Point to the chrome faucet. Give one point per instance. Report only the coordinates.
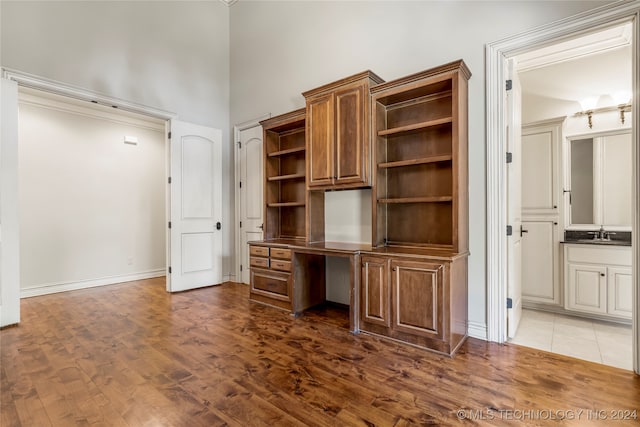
(601, 234)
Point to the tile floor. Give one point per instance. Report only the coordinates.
(593, 340)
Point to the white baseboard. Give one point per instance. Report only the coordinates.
(477, 330)
(230, 277)
(52, 288)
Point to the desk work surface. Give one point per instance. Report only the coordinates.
(346, 248)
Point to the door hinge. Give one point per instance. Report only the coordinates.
(509, 157)
(240, 224)
(509, 303)
(240, 184)
(509, 84)
(169, 224)
(169, 270)
(169, 180)
(239, 145)
(169, 135)
(509, 230)
(240, 267)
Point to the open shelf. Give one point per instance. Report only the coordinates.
(285, 204)
(431, 199)
(420, 136)
(414, 126)
(286, 152)
(413, 162)
(286, 177)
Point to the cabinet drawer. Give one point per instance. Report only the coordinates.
(259, 251)
(281, 253)
(271, 283)
(280, 265)
(598, 254)
(259, 262)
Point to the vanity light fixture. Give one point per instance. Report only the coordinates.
(623, 105)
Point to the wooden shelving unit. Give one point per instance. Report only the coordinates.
(408, 139)
(421, 160)
(284, 187)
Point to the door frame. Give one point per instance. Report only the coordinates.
(236, 161)
(51, 86)
(495, 55)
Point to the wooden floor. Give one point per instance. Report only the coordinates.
(134, 355)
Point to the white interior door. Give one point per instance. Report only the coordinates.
(9, 233)
(250, 193)
(196, 207)
(514, 200)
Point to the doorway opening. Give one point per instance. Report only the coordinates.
(576, 150)
(92, 194)
(497, 56)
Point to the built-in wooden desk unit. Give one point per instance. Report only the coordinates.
(411, 283)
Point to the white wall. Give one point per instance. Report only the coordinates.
(92, 208)
(280, 49)
(170, 55)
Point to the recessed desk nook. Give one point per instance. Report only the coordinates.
(406, 141)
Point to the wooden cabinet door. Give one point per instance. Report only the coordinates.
(351, 136)
(417, 298)
(620, 292)
(587, 288)
(374, 292)
(320, 141)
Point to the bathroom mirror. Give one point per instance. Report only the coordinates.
(599, 175)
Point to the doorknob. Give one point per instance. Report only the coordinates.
(218, 226)
(261, 227)
(522, 231)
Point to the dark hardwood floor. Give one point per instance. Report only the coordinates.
(134, 355)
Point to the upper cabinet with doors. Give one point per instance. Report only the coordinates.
(541, 145)
(338, 133)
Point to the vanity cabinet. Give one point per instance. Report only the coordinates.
(598, 280)
(420, 301)
(338, 133)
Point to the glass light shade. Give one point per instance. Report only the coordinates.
(622, 97)
(589, 103)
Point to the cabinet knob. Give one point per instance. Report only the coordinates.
(394, 269)
(602, 274)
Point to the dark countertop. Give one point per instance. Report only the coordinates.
(585, 237)
(597, 242)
